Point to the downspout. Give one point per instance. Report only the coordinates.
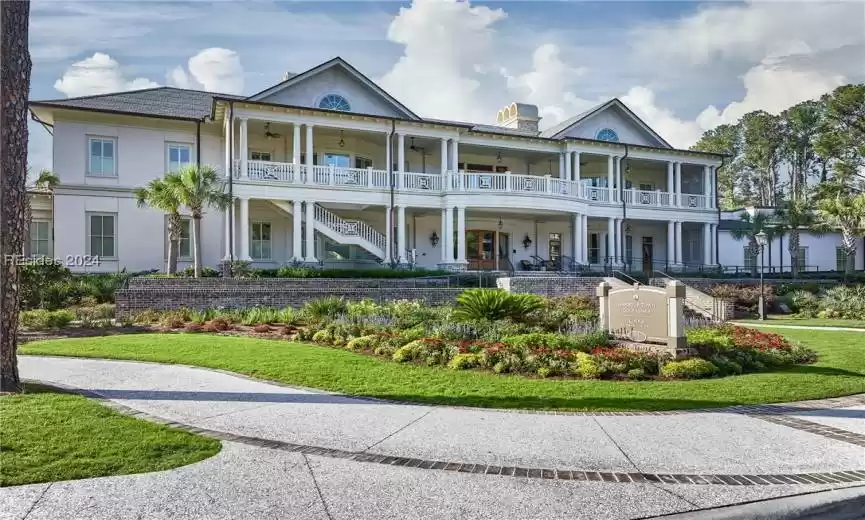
(389, 231)
(229, 141)
(198, 143)
(622, 197)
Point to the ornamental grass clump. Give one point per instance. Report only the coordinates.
(495, 304)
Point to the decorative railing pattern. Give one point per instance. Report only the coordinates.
(471, 182)
(350, 228)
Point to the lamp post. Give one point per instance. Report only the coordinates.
(762, 240)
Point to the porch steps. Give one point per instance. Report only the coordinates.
(701, 303)
(343, 231)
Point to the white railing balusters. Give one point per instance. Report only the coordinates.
(350, 227)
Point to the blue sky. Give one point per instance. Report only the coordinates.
(682, 66)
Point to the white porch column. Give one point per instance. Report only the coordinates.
(713, 247)
(244, 230)
(388, 234)
(678, 243)
(576, 169)
(567, 166)
(228, 237)
(678, 183)
(707, 243)
(295, 147)
(244, 148)
(400, 167)
(578, 237)
(562, 166)
(447, 237)
(455, 156)
(671, 242)
(310, 232)
(712, 187)
(611, 240)
(296, 230)
(402, 255)
(444, 158)
(461, 234)
(584, 229)
(707, 190)
(309, 157)
(611, 162)
(227, 129)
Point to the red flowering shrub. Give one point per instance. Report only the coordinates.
(744, 337)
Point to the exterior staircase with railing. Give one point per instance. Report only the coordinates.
(344, 231)
(715, 309)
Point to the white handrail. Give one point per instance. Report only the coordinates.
(350, 227)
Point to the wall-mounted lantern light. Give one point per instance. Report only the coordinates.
(434, 239)
(527, 242)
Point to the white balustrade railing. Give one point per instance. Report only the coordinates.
(477, 182)
(349, 227)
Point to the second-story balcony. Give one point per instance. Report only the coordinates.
(450, 182)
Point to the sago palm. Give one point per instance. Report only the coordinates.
(794, 217)
(751, 226)
(845, 213)
(197, 188)
(159, 195)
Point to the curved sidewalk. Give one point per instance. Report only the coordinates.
(772, 442)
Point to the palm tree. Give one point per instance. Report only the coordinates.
(159, 195)
(751, 226)
(844, 212)
(198, 187)
(793, 217)
(15, 86)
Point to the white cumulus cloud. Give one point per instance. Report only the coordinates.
(214, 69)
(98, 74)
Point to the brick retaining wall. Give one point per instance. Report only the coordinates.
(203, 293)
(704, 284)
(552, 286)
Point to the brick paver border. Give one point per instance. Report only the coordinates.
(830, 478)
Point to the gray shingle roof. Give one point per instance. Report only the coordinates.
(160, 101)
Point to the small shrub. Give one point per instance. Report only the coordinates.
(544, 372)
(692, 368)
(41, 319)
(495, 304)
(362, 343)
(324, 308)
(323, 336)
(636, 374)
(408, 352)
(261, 328)
(206, 272)
(464, 361)
(805, 303)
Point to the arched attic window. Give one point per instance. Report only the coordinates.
(608, 134)
(334, 102)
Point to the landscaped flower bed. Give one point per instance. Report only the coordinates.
(494, 331)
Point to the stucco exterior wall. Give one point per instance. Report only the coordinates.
(613, 119)
(820, 254)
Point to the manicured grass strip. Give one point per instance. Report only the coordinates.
(809, 322)
(48, 436)
(839, 371)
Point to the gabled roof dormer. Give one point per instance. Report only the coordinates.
(334, 85)
(610, 121)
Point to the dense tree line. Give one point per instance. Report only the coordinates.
(807, 162)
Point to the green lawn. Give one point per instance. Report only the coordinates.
(783, 319)
(49, 436)
(839, 371)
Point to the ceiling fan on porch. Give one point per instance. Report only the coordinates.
(268, 133)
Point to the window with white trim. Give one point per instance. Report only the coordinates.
(803, 258)
(102, 156)
(177, 155)
(594, 248)
(840, 259)
(750, 259)
(40, 238)
(259, 156)
(102, 235)
(184, 245)
(260, 241)
(362, 162)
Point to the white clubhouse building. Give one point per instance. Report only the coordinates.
(326, 167)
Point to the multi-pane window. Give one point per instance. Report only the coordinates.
(594, 249)
(840, 259)
(750, 259)
(259, 242)
(803, 258)
(314, 158)
(362, 162)
(184, 245)
(629, 249)
(102, 156)
(40, 238)
(102, 235)
(259, 156)
(555, 247)
(178, 156)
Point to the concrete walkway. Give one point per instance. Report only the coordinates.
(294, 453)
(797, 327)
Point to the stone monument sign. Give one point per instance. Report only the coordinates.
(644, 314)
